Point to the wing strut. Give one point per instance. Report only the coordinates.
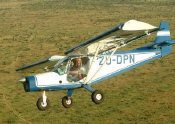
(93, 60)
(103, 64)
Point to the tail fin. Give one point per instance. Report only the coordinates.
(163, 34)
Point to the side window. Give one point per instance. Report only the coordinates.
(78, 69)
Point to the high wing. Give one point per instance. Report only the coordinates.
(118, 36)
(52, 58)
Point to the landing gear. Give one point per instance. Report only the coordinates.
(43, 102)
(67, 102)
(97, 97)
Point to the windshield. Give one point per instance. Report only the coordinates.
(61, 67)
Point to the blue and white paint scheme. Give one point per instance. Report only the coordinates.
(97, 59)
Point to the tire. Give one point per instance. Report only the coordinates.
(67, 102)
(97, 97)
(40, 104)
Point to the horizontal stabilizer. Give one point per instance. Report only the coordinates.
(168, 42)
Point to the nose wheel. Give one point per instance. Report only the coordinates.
(43, 102)
(43, 105)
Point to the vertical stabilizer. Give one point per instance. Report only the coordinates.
(164, 33)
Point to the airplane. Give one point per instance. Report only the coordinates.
(98, 59)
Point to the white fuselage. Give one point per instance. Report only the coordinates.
(118, 63)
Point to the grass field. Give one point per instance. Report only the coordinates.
(37, 29)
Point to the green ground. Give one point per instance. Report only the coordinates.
(37, 29)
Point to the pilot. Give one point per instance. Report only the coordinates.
(74, 72)
(79, 62)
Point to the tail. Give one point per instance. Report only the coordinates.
(163, 34)
(163, 39)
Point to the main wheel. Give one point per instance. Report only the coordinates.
(97, 97)
(67, 102)
(41, 105)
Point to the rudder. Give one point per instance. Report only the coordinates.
(163, 34)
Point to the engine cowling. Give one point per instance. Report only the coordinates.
(30, 84)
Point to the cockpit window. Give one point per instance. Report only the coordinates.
(61, 69)
(78, 68)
